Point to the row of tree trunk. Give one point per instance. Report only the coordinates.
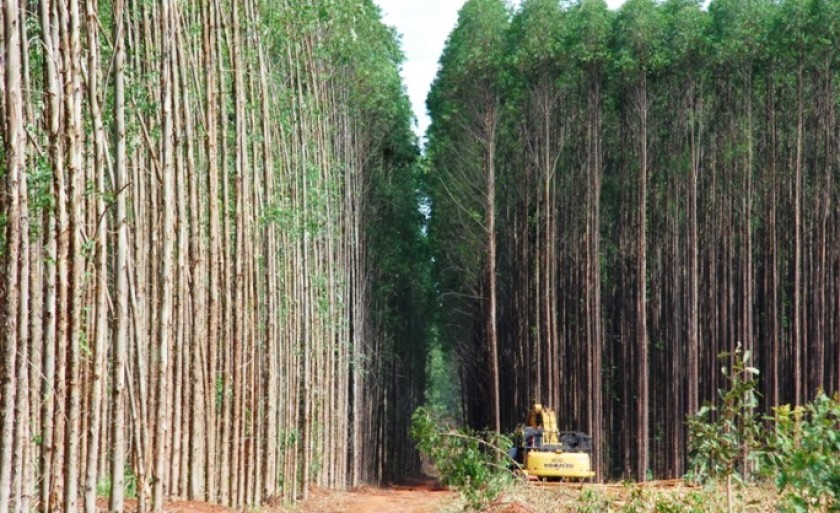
(667, 191)
(188, 281)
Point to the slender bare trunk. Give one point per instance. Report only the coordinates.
(168, 272)
(641, 287)
(492, 323)
(101, 307)
(14, 186)
(798, 292)
(120, 353)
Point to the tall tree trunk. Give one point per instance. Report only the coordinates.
(492, 324)
(596, 421)
(72, 48)
(642, 402)
(14, 187)
(120, 353)
(798, 292)
(168, 272)
(101, 308)
(695, 134)
(55, 328)
(214, 275)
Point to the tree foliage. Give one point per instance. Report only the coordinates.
(666, 178)
(803, 454)
(798, 448)
(478, 468)
(222, 276)
(725, 441)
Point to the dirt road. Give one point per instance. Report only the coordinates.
(426, 498)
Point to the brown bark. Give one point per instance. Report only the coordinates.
(490, 215)
(798, 292)
(15, 239)
(642, 383)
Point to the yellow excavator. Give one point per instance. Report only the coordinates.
(544, 452)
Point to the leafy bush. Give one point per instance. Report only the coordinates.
(805, 454)
(724, 441)
(465, 460)
(801, 451)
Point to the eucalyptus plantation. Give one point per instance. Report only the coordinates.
(472, 67)
(218, 281)
(209, 214)
(666, 181)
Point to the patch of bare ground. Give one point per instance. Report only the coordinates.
(674, 496)
(425, 497)
(170, 506)
(409, 497)
(185, 506)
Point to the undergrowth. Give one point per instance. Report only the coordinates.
(797, 448)
(476, 464)
(633, 498)
(742, 462)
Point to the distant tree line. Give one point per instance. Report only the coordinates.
(618, 197)
(210, 252)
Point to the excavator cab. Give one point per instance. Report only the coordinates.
(544, 452)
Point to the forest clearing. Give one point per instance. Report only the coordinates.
(232, 276)
(430, 497)
(419, 498)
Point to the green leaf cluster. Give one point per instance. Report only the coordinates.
(804, 453)
(442, 385)
(639, 32)
(800, 450)
(722, 437)
(465, 460)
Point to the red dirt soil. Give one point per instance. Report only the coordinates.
(417, 498)
(420, 497)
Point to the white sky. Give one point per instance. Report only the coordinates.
(424, 25)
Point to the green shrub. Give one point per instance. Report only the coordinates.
(130, 480)
(804, 454)
(724, 441)
(640, 501)
(468, 461)
(801, 451)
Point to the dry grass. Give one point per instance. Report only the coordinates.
(674, 496)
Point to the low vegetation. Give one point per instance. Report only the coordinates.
(723, 440)
(474, 463)
(797, 449)
(656, 183)
(740, 460)
(804, 455)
